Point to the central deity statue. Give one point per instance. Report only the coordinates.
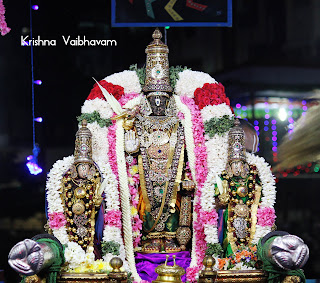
(156, 137)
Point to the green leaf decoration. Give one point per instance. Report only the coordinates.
(110, 247)
(218, 125)
(141, 73)
(214, 250)
(174, 74)
(94, 117)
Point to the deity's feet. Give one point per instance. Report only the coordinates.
(154, 246)
(171, 247)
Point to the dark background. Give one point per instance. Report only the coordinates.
(267, 37)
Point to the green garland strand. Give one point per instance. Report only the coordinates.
(94, 117)
(110, 247)
(218, 125)
(141, 73)
(214, 250)
(276, 275)
(174, 74)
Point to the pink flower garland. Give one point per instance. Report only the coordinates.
(57, 220)
(266, 216)
(201, 169)
(3, 25)
(112, 149)
(135, 220)
(113, 218)
(127, 97)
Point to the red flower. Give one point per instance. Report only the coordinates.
(116, 90)
(210, 94)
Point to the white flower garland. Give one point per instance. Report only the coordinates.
(99, 105)
(125, 200)
(215, 111)
(268, 198)
(127, 79)
(189, 81)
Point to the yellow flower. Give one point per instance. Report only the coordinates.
(134, 211)
(134, 170)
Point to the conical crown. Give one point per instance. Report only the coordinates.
(157, 65)
(236, 143)
(83, 145)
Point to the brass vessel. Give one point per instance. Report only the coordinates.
(167, 273)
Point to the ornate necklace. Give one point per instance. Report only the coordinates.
(158, 122)
(158, 183)
(244, 197)
(80, 200)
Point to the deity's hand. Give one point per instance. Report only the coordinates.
(131, 142)
(188, 185)
(26, 257)
(289, 252)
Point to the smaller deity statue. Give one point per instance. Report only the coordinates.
(82, 195)
(239, 190)
(81, 199)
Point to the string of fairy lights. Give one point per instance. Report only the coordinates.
(32, 160)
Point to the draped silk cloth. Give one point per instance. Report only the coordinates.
(146, 263)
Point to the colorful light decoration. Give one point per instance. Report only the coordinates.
(38, 119)
(32, 163)
(290, 119)
(257, 128)
(38, 82)
(274, 140)
(304, 107)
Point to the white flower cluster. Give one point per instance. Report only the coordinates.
(189, 81)
(100, 144)
(217, 150)
(53, 188)
(208, 192)
(241, 266)
(215, 111)
(261, 231)
(211, 232)
(74, 255)
(127, 79)
(268, 198)
(99, 105)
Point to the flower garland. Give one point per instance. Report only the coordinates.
(94, 117)
(189, 81)
(200, 217)
(3, 25)
(268, 199)
(244, 258)
(99, 105)
(218, 126)
(133, 178)
(210, 94)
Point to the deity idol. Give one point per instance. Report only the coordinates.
(159, 168)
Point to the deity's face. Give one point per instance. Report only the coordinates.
(83, 170)
(236, 168)
(158, 104)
